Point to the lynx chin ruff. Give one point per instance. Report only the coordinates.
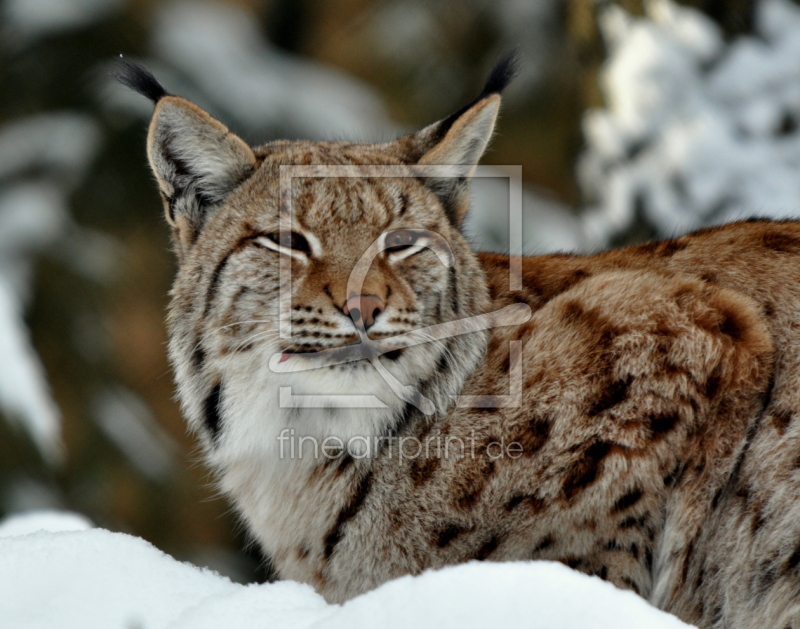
(656, 442)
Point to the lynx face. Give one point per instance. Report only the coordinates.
(287, 299)
(402, 227)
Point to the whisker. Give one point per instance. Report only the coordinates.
(230, 325)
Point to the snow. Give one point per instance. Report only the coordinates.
(24, 396)
(696, 131)
(56, 572)
(50, 521)
(63, 142)
(127, 421)
(34, 219)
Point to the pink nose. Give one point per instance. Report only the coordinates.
(364, 309)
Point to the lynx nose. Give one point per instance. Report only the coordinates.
(364, 309)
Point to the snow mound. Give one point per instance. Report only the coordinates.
(50, 521)
(87, 579)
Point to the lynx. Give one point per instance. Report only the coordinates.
(632, 414)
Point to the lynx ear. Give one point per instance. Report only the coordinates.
(196, 159)
(198, 162)
(460, 140)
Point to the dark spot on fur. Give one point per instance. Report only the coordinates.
(243, 290)
(742, 489)
(585, 470)
(687, 559)
(715, 499)
(793, 561)
(514, 502)
(633, 521)
(631, 584)
(454, 289)
(671, 247)
(660, 425)
(533, 435)
(488, 548)
(780, 242)
(519, 297)
(603, 573)
(765, 578)
(664, 249)
(505, 364)
(198, 357)
(573, 312)
(347, 513)
(648, 558)
(473, 483)
(572, 562)
(448, 534)
(766, 398)
(781, 418)
(712, 386)
(394, 354)
(213, 283)
(303, 552)
(647, 247)
(548, 287)
(569, 281)
(731, 325)
(674, 477)
(628, 500)
(211, 408)
(422, 470)
(701, 575)
(758, 518)
(613, 394)
(533, 503)
(614, 545)
(327, 290)
(600, 331)
(403, 204)
(546, 542)
(406, 418)
(345, 462)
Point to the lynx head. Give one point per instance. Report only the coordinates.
(300, 262)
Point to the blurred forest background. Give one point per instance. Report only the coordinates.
(632, 120)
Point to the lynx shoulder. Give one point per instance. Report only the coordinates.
(376, 401)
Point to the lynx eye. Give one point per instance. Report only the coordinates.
(400, 240)
(290, 240)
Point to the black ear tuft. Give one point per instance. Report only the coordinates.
(502, 74)
(139, 79)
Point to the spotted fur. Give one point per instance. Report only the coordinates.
(656, 439)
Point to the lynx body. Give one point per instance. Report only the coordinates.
(653, 436)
